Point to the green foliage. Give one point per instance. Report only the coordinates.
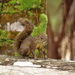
(16, 54)
(28, 4)
(30, 13)
(41, 29)
(9, 10)
(13, 2)
(37, 52)
(3, 38)
(0, 7)
(14, 6)
(2, 34)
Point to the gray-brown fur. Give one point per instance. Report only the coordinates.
(29, 44)
(28, 28)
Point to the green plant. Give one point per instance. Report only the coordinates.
(28, 4)
(41, 29)
(30, 13)
(16, 54)
(14, 6)
(0, 6)
(2, 34)
(37, 52)
(4, 41)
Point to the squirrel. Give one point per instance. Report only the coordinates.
(25, 43)
(28, 28)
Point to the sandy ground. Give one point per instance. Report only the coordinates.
(19, 70)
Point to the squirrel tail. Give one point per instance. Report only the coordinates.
(28, 28)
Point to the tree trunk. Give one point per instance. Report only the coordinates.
(51, 47)
(69, 21)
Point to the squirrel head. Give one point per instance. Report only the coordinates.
(41, 38)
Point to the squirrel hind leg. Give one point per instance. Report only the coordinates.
(23, 51)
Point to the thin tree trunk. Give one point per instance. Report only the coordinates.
(2, 1)
(51, 47)
(69, 16)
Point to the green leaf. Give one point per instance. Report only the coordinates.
(16, 54)
(41, 29)
(12, 2)
(37, 52)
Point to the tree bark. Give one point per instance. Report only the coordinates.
(51, 47)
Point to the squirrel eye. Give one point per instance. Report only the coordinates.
(41, 37)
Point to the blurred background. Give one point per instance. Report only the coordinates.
(55, 18)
